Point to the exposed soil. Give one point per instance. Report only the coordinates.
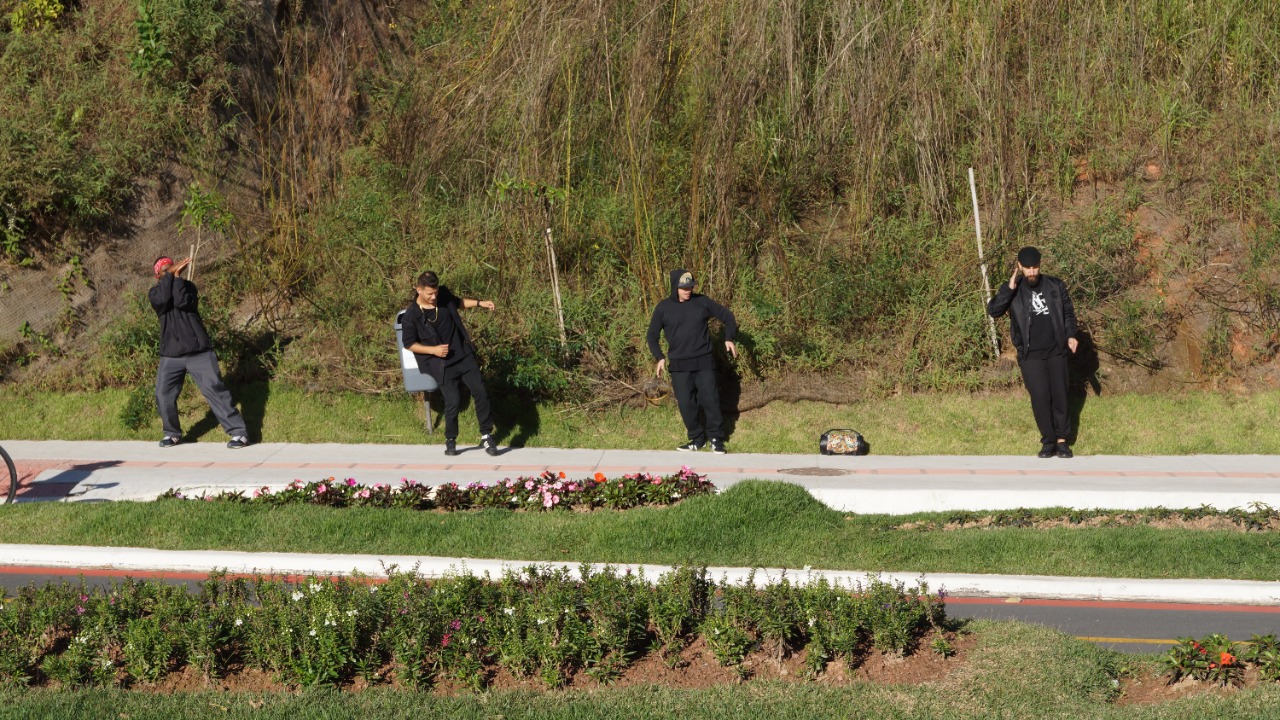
(1152, 688)
(1116, 520)
(696, 667)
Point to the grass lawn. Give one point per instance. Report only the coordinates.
(1017, 671)
(946, 424)
(751, 524)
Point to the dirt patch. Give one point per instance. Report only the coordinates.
(1152, 688)
(694, 668)
(987, 522)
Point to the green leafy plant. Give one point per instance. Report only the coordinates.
(1211, 659)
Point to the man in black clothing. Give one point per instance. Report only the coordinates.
(1043, 327)
(185, 350)
(683, 318)
(434, 333)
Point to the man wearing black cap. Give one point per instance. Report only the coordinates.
(1042, 324)
(683, 318)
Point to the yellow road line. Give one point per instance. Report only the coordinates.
(1132, 641)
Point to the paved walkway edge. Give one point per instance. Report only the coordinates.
(145, 560)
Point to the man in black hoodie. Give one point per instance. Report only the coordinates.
(1042, 324)
(434, 333)
(185, 350)
(683, 318)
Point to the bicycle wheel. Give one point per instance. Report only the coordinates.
(8, 479)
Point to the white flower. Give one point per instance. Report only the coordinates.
(296, 596)
(373, 589)
(542, 621)
(508, 611)
(315, 587)
(313, 632)
(351, 613)
(811, 622)
(239, 622)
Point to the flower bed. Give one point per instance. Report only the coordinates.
(541, 622)
(1216, 659)
(548, 491)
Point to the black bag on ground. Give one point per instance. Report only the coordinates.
(843, 442)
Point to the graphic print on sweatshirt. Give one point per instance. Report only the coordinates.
(1038, 304)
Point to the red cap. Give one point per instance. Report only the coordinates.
(161, 264)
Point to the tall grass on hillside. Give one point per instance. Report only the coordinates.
(805, 157)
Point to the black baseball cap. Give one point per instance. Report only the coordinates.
(1029, 257)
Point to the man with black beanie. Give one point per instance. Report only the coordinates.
(185, 350)
(683, 318)
(1042, 324)
(434, 333)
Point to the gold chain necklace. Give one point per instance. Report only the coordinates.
(433, 318)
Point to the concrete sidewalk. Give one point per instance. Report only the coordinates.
(88, 471)
(143, 561)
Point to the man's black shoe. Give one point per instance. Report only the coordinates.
(690, 447)
(1046, 451)
(238, 442)
(1064, 451)
(489, 445)
(717, 447)
(450, 447)
(169, 441)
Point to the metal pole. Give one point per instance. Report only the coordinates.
(982, 260)
(426, 404)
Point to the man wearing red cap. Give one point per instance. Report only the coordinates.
(185, 349)
(1042, 324)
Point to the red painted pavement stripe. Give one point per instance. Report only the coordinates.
(1119, 604)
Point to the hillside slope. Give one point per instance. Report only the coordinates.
(807, 159)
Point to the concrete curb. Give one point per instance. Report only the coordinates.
(144, 560)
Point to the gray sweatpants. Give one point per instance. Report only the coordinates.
(203, 369)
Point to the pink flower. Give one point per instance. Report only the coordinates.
(444, 641)
(555, 499)
(456, 624)
(546, 500)
(528, 484)
(363, 494)
(351, 482)
(321, 489)
(572, 487)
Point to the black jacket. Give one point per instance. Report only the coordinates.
(1017, 304)
(685, 324)
(414, 328)
(177, 302)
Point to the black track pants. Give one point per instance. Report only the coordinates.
(697, 390)
(466, 372)
(1046, 381)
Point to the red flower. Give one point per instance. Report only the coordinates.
(600, 477)
(561, 474)
(1226, 658)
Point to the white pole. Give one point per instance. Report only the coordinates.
(986, 285)
(555, 287)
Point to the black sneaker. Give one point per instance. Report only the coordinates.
(1064, 451)
(717, 447)
(169, 441)
(1046, 451)
(450, 447)
(238, 442)
(490, 447)
(690, 447)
